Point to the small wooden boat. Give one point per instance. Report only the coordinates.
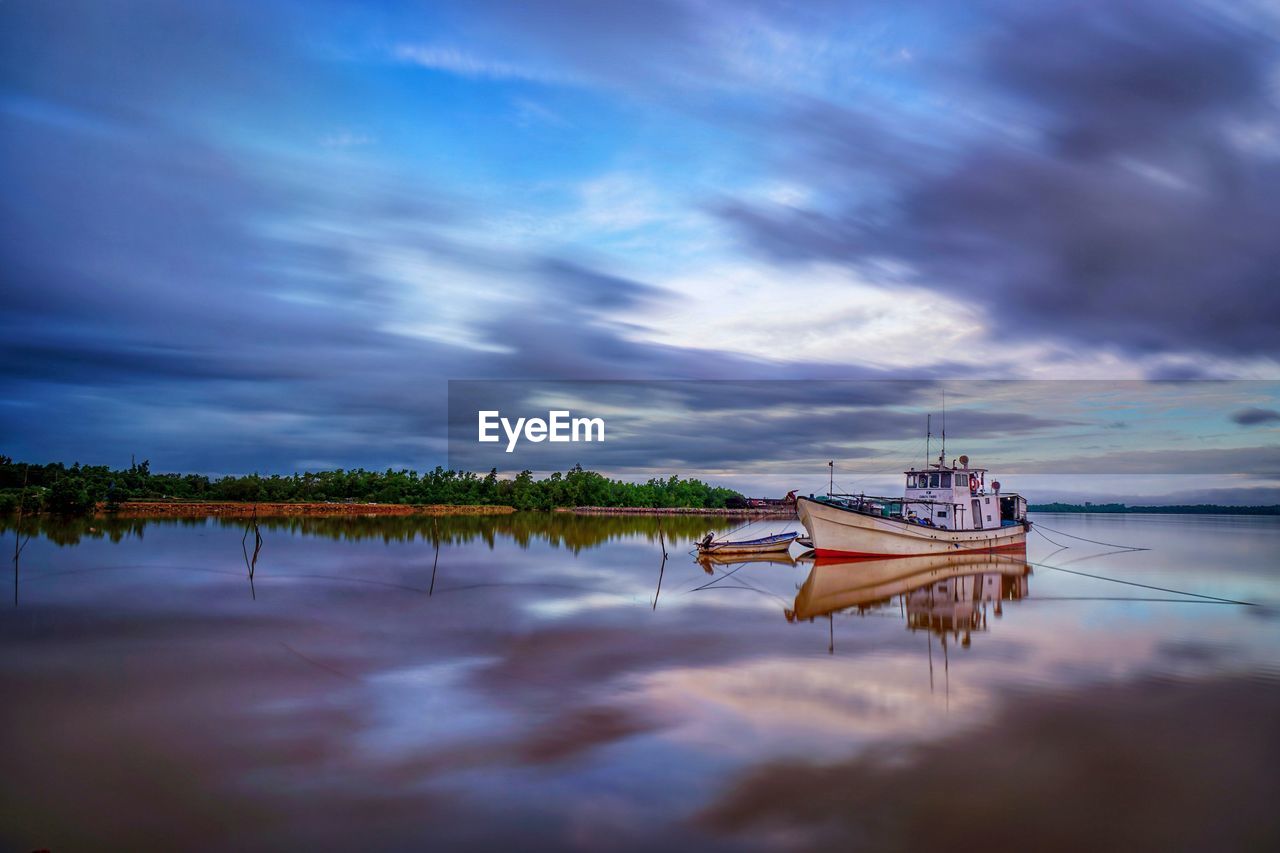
(764, 545)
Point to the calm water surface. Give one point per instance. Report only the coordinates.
(548, 682)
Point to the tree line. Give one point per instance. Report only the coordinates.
(77, 489)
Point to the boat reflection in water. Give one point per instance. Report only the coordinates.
(947, 594)
(710, 560)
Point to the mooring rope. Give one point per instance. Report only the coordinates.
(714, 583)
(1091, 541)
(785, 529)
(750, 522)
(1146, 585)
(1035, 528)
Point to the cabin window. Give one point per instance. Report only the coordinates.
(988, 518)
(933, 481)
(942, 513)
(962, 481)
(911, 481)
(988, 501)
(946, 480)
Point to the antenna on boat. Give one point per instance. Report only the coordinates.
(928, 434)
(831, 477)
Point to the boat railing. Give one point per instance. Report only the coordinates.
(857, 497)
(878, 505)
(869, 504)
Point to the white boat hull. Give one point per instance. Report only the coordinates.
(837, 531)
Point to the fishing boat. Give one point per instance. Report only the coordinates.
(778, 542)
(945, 509)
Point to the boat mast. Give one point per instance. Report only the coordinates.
(942, 454)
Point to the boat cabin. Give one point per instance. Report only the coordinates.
(959, 497)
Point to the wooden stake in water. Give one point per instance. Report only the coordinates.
(435, 536)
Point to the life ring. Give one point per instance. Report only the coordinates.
(973, 485)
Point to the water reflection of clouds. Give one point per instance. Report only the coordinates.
(346, 688)
(1110, 766)
(779, 705)
(429, 704)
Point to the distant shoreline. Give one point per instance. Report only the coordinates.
(1169, 509)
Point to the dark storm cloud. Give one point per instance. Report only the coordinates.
(699, 442)
(707, 396)
(1253, 462)
(715, 425)
(1118, 198)
(1254, 416)
(110, 363)
(592, 289)
(874, 389)
(1109, 77)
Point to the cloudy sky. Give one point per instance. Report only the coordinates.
(263, 236)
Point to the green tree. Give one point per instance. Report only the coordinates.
(69, 496)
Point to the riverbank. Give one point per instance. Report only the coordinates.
(279, 509)
(754, 512)
(236, 509)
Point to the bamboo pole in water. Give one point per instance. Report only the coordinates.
(662, 567)
(18, 544)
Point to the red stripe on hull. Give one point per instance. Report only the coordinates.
(871, 555)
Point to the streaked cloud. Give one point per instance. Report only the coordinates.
(347, 139)
(455, 61)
